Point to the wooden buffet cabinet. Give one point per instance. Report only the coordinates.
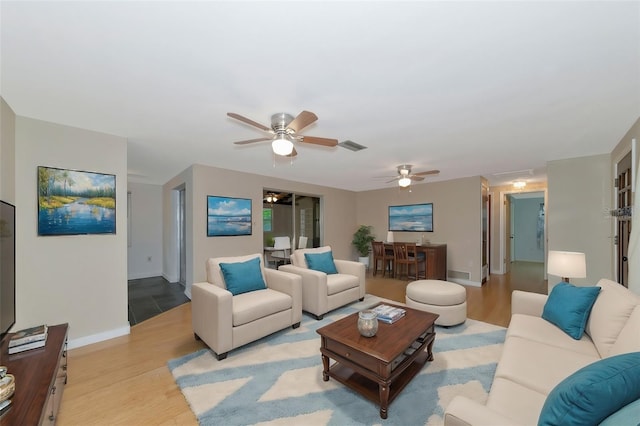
(40, 376)
(436, 256)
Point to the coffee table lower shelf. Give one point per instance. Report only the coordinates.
(370, 389)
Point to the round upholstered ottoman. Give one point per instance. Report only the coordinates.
(449, 300)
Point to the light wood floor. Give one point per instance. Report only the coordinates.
(125, 381)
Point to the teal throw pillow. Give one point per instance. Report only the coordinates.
(568, 307)
(243, 277)
(322, 262)
(594, 392)
(627, 415)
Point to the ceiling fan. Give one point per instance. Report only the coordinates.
(405, 177)
(284, 129)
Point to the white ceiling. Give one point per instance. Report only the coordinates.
(470, 88)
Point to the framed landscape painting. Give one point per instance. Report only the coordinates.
(411, 218)
(227, 216)
(72, 202)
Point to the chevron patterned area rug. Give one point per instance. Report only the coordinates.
(278, 380)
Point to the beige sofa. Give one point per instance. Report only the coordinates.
(322, 292)
(537, 356)
(224, 321)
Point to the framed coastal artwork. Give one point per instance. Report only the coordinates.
(411, 218)
(227, 216)
(73, 202)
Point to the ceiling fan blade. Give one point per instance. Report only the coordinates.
(319, 141)
(394, 179)
(248, 121)
(252, 141)
(416, 178)
(302, 120)
(428, 172)
(293, 153)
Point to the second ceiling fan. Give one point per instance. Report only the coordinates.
(405, 177)
(284, 130)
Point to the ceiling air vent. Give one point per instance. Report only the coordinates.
(352, 146)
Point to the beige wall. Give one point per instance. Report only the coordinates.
(144, 255)
(457, 219)
(578, 219)
(78, 279)
(7, 152)
(339, 207)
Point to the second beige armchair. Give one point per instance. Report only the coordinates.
(321, 291)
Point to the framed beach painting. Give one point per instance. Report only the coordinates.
(411, 218)
(227, 216)
(72, 202)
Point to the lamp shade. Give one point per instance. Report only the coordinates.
(567, 264)
(282, 145)
(389, 237)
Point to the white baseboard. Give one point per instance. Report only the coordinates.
(95, 338)
(170, 278)
(465, 282)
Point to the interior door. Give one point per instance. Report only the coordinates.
(623, 219)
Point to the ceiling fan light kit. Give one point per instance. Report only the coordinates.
(282, 145)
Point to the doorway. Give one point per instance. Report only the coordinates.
(523, 229)
(623, 185)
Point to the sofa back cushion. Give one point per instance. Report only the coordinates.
(609, 315)
(298, 259)
(214, 273)
(629, 338)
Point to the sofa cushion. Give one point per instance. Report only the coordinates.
(258, 304)
(610, 314)
(322, 262)
(538, 366)
(214, 273)
(515, 401)
(243, 277)
(569, 306)
(297, 257)
(540, 330)
(337, 283)
(594, 392)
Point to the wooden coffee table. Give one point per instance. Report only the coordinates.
(378, 367)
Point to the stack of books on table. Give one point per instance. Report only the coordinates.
(389, 314)
(30, 338)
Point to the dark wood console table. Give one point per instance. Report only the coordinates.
(40, 378)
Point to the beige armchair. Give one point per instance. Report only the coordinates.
(225, 321)
(322, 292)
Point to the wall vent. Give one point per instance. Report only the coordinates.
(352, 146)
(458, 274)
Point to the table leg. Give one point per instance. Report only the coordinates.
(325, 370)
(429, 350)
(383, 388)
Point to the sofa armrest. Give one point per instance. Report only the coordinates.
(315, 292)
(212, 316)
(463, 411)
(527, 303)
(353, 268)
(288, 283)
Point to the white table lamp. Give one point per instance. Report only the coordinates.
(389, 237)
(567, 264)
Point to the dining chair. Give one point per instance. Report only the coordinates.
(380, 254)
(282, 250)
(405, 256)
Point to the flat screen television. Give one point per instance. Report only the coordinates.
(7, 267)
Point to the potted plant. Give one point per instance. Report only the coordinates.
(362, 239)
